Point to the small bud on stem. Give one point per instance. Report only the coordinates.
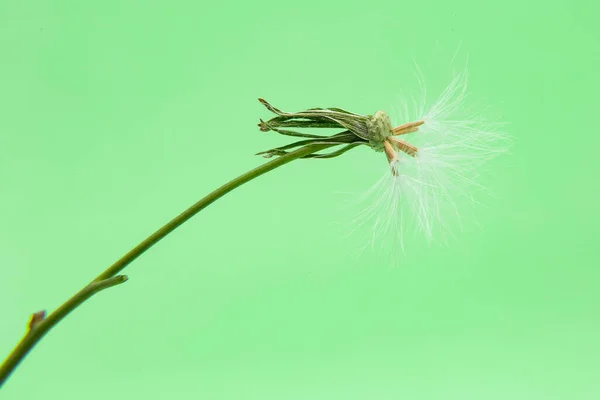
(35, 319)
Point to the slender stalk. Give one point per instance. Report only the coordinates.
(109, 277)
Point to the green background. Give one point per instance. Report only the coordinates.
(116, 115)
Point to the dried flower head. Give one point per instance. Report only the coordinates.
(374, 131)
(435, 156)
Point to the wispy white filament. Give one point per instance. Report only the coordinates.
(430, 191)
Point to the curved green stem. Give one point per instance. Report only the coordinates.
(109, 277)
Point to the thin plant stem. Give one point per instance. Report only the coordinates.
(109, 277)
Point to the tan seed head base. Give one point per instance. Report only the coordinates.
(391, 144)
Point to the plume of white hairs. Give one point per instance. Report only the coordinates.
(428, 192)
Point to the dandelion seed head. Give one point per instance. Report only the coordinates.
(435, 169)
